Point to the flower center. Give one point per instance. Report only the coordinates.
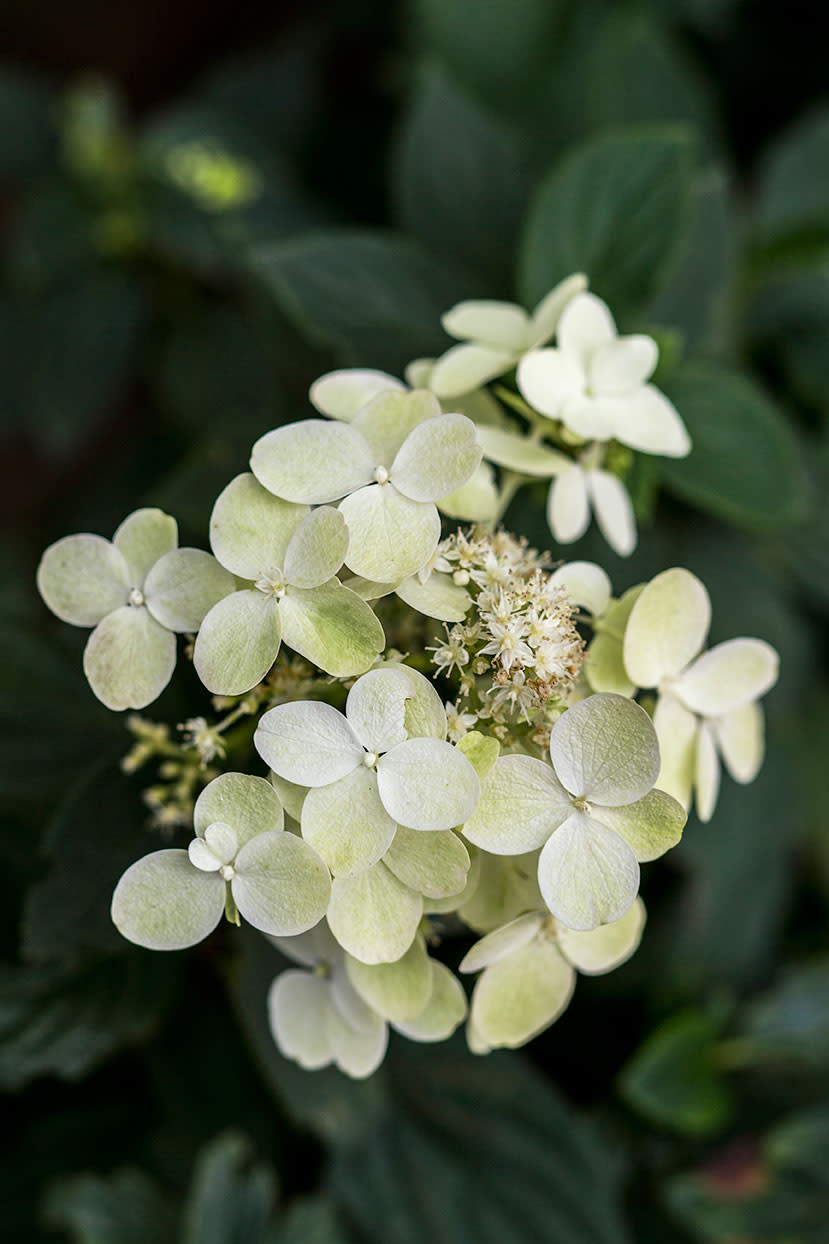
(370, 760)
(381, 475)
(271, 583)
(136, 597)
(228, 872)
(581, 805)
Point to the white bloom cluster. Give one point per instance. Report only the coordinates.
(517, 798)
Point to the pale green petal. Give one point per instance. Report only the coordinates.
(466, 367)
(163, 903)
(317, 946)
(357, 1052)
(221, 840)
(202, 857)
(522, 994)
(83, 578)
(604, 666)
(568, 506)
(521, 804)
(618, 612)
(651, 825)
(622, 365)
(707, 776)
(238, 642)
(374, 916)
(183, 586)
(605, 749)
(129, 658)
(475, 1041)
(437, 598)
(331, 627)
(501, 942)
(476, 501)
(600, 950)
(667, 627)
(436, 457)
(425, 715)
(501, 324)
(250, 529)
(143, 538)
(249, 804)
(368, 589)
(676, 730)
(376, 707)
(649, 422)
(435, 864)
(392, 536)
(519, 453)
(444, 1011)
(426, 784)
(397, 991)
(548, 378)
(585, 325)
(312, 461)
(317, 548)
(740, 736)
(614, 511)
(588, 874)
(352, 1009)
(298, 1004)
(281, 885)
(506, 888)
(481, 751)
(308, 742)
(346, 823)
(342, 394)
(291, 796)
(453, 902)
(390, 417)
(586, 584)
(728, 676)
(546, 316)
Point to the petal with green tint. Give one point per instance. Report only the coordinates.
(426, 784)
(298, 1004)
(83, 578)
(600, 950)
(649, 422)
(585, 325)
(425, 716)
(587, 873)
(586, 584)
(435, 864)
(183, 586)
(163, 903)
(348, 1004)
(368, 589)
(390, 417)
(317, 548)
(238, 642)
(346, 823)
(357, 1052)
(501, 942)
(604, 666)
(291, 796)
(707, 775)
(376, 707)
(250, 528)
(522, 994)
(548, 378)
(392, 536)
(502, 324)
(374, 916)
(332, 628)
(312, 461)
(605, 749)
(506, 888)
(481, 751)
(307, 742)
(342, 394)
(249, 804)
(615, 620)
(568, 505)
(437, 598)
(651, 825)
(476, 501)
(623, 364)
(436, 457)
(728, 676)
(399, 990)
(676, 730)
(221, 840)
(143, 538)
(546, 316)
(317, 946)
(667, 627)
(466, 367)
(453, 902)
(521, 804)
(740, 737)
(129, 658)
(201, 856)
(444, 1011)
(519, 453)
(614, 511)
(281, 885)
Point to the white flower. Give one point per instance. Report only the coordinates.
(582, 486)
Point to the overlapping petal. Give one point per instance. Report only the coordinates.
(163, 903)
(392, 536)
(346, 823)
(143, 538)
(667, 627)
(343, 394)
(312, 461)
(332, 627)
(281, 885)
(651, 825)
(444, 1011)
(433, 863)
(604, 749)
(600, 950)
(587, 873)
(398, 991)
(521, 994)
(728, 677)
(249, 804)
(649, 422)
(238, 642)
(250, 528)
(376, 708)
(548, 378)
(518, 453)
(83, 578)
(129, 658)
(521, 803)
(436, 457)
(183, 586)
(374, 916)
(426, 784)
(308, 743)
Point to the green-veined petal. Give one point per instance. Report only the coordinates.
(376, 708)
(374, 916)
(390, 417)
(605, 749)
(317, 548)
(587, 873)
(435, 864)
(249, 804)
(307, 742)
(238, 642)
(667, 627)
(129, 658)
(281, 885)
(522, 994)
(391, 536)
(83, 578)
(143, 538)
(312, 461)
(602, 949)
(521, 804)
(183, 586)
(651, 825)
(346, 823)
(163, 903)
(436, 457)
(426, 784)
(481, 750)
(250, 528)
(331, 627)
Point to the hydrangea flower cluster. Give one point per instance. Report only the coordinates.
(421, 733)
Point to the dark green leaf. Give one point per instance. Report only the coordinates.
(313, 1221)
(27, 131)
(794, 184)
(787, 323)
(230, 1200)
(790, 1023)
(123, 1208)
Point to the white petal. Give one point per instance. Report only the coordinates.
(707, 777)
(602, 949)
(464, 368)
(250, 528)
(547, 378)
(183, 586)
(221, 840)
(500, 942)
(435, 864)
(392, 536)
(667, 627)
(201, 857)
(436, 457)
(390, 417)
(728, 676)
(546, 316)
(614, 511)
(348, 1004)
(143, 538)
(331, 627)
(592, 417)
(342, 394)
(83, 578)
(568, 506)
(651, 825)
(623, 364)
(740, 736)
(312, 461)
(519, 453)
(427, 784)
(649, 422)
(588, 875)
(476, 501)
(676, 730)
(298, 1004)
(237, 643)
(399, 990)
(522, 994)
(374, 916)
(249, 804)
(317, 548)
(605, 749)
(500, 324)
(376, 706)
(346, 823)
(317, 946)
(586, 584)
(444, 1011)
(129, 658)
(281, 885)
(357, 1052)
(437, 598)
(521, 804)
(585, 325)
(164, 903)
(307, 742)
